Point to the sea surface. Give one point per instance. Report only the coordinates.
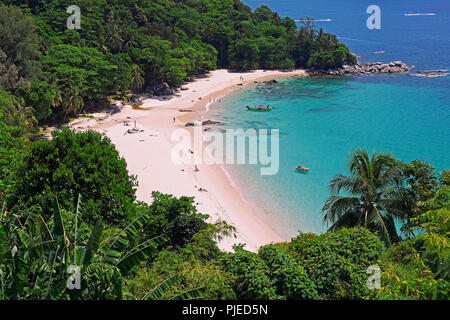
(322, 120)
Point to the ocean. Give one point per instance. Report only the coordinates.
(322, 120)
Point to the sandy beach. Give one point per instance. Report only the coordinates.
(148, 154)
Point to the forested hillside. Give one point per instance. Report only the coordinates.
(50, 72)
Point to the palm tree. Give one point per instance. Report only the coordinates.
(73, 102)
(374, 196)
(137, 81)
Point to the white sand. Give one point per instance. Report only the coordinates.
(148, 155)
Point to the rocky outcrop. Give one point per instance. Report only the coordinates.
(365, 68)
(136, 99)
(204, 123)
(212, 129)
(160, 89)
(271, 82)
(212, 123)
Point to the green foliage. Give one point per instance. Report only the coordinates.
(43, 97)
(291, 280)
(19, 50)
(337, 261)
(444, 178)
(252, 275)
(374, 196)
(82, 74)
(10, 154)
(421, 179)
(320, 50)
(164, 210)
(406, 275)
(34, 261)
(71, 164)
(191, 273)
(244, 55)
(434, 242)
(184, 227)
(129, 45)
(13, 113)
(47, 72)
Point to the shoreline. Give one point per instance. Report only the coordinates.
(148, 155)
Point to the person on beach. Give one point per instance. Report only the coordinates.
(173, 119)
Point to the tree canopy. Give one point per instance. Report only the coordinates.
(125, 46)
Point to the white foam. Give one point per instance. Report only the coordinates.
(419, 14)
(430, 75)
(316, 20)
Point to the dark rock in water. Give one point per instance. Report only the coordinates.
(214, 130)
(160, 88)
(185, 110)
(271, 82)
(364, 68)
(204, 123)
(212, 123)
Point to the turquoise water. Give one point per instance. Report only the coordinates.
(321, 121)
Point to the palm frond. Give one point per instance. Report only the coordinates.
(58, 227)
(137, 255)
(190, 294)
(157, 292)
(347, 220)
(122, 239)
(93, 243)
(336, 206)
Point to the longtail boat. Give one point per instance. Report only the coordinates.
(259, 108)
(300, 168)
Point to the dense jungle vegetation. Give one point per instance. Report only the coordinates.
(49, 72)
(70, 201)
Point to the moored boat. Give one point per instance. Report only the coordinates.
(300, 168)
(259, 108)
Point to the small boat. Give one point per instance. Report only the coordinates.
(300, 168)
(259, 108)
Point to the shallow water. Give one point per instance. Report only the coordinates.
(321, 121)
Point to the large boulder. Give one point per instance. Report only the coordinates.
(160, 88)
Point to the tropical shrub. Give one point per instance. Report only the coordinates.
(71, 164)
(291, 280)
(337, 261)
